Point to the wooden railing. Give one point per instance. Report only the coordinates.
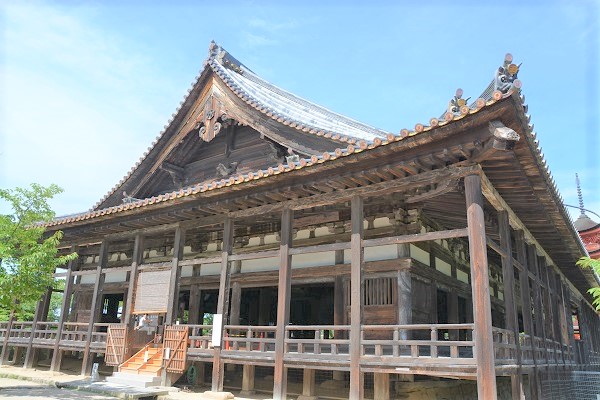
(410, 344)
(255, 339)
(20, 333)
(505, 346)
(199, 337)
(99, 334)
(45, 333)
(327, 340)
(74, 334)
(3, 329)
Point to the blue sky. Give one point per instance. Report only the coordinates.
(85, 87)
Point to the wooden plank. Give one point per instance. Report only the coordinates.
(283, 304)
(480, 284)
(357, 259)
(217, 373)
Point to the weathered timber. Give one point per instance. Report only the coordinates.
(484, 350)
(217, 373)
(174, 282)
(357, 258)
(283, 304)
(86, 364)
(138, 254)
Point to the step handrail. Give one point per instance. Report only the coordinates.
(146, 347)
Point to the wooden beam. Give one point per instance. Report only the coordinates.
(357, 259)
(217, 373)
(376, 189)
(283, 304)
(86, 364)
(137, 258)
(416, 237)
(480, 284)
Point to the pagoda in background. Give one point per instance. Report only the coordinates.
(588, 229)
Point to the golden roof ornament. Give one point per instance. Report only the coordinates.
(457, 104)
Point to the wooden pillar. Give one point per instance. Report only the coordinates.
(86, 365)
(195, 317)
(64, 312)
(5, 349)
(480, 285)
(381, 386)
(37, 316)
(404, 287)
(538, 309)
(339, 308)
(283, 304)
(137, 259)
(173, 303)
(217, 372)
(569, 320)
(559, 314)
(526, 307)
(247, 380)
(308, 385)
(357, 259)
(510, 305)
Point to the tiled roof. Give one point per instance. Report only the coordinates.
(283, 106)
(360, 146)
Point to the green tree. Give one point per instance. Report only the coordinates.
(587, 262)
(28, 256)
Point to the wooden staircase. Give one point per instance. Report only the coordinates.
(143, 369)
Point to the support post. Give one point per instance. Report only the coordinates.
(537, 305)
(173, 303)
(512, 323)
(308, 385)
(137, 259)
(357, 258)
(283, 304)
(86, 365)
(5, 350)
(381, 386)
(217, 372)
(247, 380)
(29, 355)
(480, 285)
(64, 311)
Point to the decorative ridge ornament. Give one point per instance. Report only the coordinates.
(579, 194)
(457, 104)
(506, 76)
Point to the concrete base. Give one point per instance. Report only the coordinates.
(134, 380)
(303, 397)
(218, 395)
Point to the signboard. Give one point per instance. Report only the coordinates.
(217, 330)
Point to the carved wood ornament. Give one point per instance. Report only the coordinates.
(212, 119)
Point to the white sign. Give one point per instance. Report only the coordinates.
(217, 329)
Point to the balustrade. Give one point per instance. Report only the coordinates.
(256, 339)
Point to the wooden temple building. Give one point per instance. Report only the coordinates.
(272, 240)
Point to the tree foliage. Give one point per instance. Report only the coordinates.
(587, 262)
(28, 257)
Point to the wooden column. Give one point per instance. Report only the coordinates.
(247, 380)
(195, 317)
(137, 259)
(537, 304)
(480, 285)
(510, 305)
(173, 303)
(217, 372)
(559, 313)
(404, 286)
(64, 312)
(29, 356)
(283, 304)
(308, 385)
(569, 320)
(5, 350)
(381, 386)
(357, 259)
(521, 248)
(86, 365)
